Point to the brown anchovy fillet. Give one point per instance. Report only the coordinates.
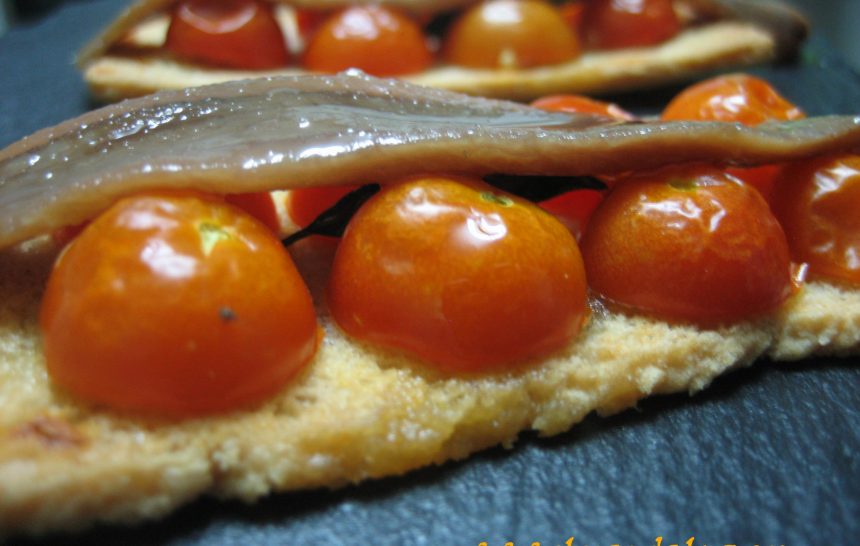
(303, 131)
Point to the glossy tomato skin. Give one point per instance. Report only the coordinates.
(378, 40)
(818, 205)
(176, 305)
(241, 34)
(611, 24)
(511, 34)
(458, 274)
(739, 98)
(689, 244)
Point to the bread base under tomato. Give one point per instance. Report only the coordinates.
(355, 413)
(698, 50)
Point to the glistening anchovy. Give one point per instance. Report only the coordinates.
(302, 131)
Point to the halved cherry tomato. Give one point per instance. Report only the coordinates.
(511, 34)
(580, 104)
(740, 98)
(378, 40)
(239, 34)
(617, 24)
(177, 305)
(818, 204)
(688, 244)
(260, 205)
(459, 274)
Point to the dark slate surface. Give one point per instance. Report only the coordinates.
(766, 455)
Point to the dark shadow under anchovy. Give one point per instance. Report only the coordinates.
(305, 131)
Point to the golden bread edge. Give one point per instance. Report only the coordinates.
(695, 51)
(355, 413)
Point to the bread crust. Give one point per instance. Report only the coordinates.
(355, 413)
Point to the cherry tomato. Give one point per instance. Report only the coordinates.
(375, 39)
(259, 205)
(818, 204)
(177, 305)
(458, 274)
(239, 34)
(617, 24)
(304, 205)
(737, 98)
(511, 34)
(579, 104)
(689, 244)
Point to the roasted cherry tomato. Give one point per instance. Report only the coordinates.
(304, 205)
(614, 24)
(459, 274)
(737, 98)
(259, 205)
(818, 204)
(689, 244)
(579, 104)
(239, 34)
(378, 40)
(176, 305)
(511, 34)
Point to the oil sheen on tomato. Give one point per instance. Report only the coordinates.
(617, 24)
(818, 204)
(457, 273)
(378, 40)
(511, 34)
(177, 305)
(689, 244)
(240, 34)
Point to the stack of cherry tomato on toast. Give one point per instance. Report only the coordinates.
(207, 313)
